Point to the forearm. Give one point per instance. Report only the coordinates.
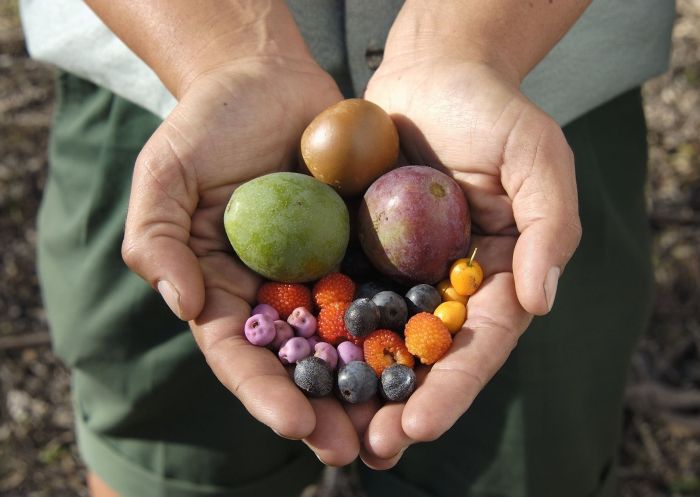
(180, 39)
(511, 35)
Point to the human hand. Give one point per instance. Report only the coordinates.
(516, 169)
(232, 124)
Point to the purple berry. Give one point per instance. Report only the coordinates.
(313, 340)
(392, 310)
(398, 382)
(259, 329)
(327, 352)
(303, 322)
(313, 376)
(422, 298)
(369, 289)
(357, 382)
(348, 352)
(266, 309)
(283, 332)
(293, 350)
(362, 317)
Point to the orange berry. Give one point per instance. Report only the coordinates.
(453, 314)
(448, 293)
(334, 287)
(330, 323)
(382, 348)
(284, 297)
(427, 337)
(466, 275)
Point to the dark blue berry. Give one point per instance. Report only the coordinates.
(313, 376)
(369, 289)
(398, 382)
(422, 298)
(362, 317)
(393, 312)
(357, 382)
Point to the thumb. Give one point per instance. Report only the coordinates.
(539, 177)
(163, 199)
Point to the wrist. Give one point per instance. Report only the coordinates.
(509, 36)
(261, 36)
(181, 39)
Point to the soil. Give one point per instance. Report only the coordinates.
(660, 452)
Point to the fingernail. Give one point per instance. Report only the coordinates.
(550, 286)
(170, 295)
(280, 435)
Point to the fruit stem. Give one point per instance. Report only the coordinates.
(471, 259)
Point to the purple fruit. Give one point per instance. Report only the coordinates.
(266, 309)
(348, 352)
(293, 350)
(303, 322)
(413, 222)
(357, 382)
(362, 317)
(422, 298)
(313, 376)
(397, 382)
(283, 332)
(393, 312)
(369, 289)
(259, 329)
(327, 352)
(313, 340)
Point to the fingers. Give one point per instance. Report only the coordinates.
(385, 440)
(496, 321)
(334, 439)
(539, 177)
(163, 198)
(252, 373)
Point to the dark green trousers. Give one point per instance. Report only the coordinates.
(152, 420)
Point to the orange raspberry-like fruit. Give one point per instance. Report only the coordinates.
(334, 287)
(382, 348)
(284, 297)
(330, 323)
(427, 337)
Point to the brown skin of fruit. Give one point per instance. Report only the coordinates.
(349, 145)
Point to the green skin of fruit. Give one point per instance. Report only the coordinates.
(288, 227)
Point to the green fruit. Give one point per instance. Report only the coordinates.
(288, 227)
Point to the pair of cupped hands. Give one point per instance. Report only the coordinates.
(244, 119)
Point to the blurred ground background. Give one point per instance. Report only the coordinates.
(660, 454)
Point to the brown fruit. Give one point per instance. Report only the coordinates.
(349, 145)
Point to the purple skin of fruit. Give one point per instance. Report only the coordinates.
(313, 340)
(283, 332)
(327, 352)
(413, 223)
(266, 309)
(348, 352)
(259, 329)
(303, 322)
(293, 350)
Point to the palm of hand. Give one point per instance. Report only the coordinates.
(516, 170)
(231, 126)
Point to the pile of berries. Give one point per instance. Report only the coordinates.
(361, 339)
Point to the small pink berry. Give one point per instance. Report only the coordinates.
(266, 309)
(259, 329)
(327, 352)
(313, 340)
(303, 322)
(283, 332)
(348, 352)
(294, 349)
